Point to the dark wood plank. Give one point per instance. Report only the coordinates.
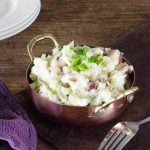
(97, 22)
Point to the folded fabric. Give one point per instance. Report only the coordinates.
(16, 130)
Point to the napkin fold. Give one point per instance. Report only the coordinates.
(16, 130)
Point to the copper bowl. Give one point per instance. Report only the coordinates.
(75, 115)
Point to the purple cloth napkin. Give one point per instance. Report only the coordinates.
(16, 130)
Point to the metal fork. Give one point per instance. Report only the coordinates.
(121, 134)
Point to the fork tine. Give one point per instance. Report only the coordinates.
(110, 142)
(118, 140)
(124, 141)
(107, 138)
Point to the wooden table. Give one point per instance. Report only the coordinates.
(91, 22)
(97, 22)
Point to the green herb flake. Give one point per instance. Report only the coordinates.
(54, 92)
(78, 59)
(77, 63)
(82, 51)
(98, 59)
(72, 48)
(83, 67)
(93, 59)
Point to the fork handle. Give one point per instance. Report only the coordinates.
(144, 120)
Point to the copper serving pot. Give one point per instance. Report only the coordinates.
(78, 115)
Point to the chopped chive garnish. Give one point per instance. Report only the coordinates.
(83, 67)
(98, 59)
(54, 92)
(80, 61)
(72, 48)
(82, 51)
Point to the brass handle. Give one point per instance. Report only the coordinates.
(38, 38)
(126, 93)
(101, 109)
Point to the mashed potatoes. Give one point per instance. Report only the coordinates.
(80, 76)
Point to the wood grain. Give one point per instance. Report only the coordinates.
(96, 22)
